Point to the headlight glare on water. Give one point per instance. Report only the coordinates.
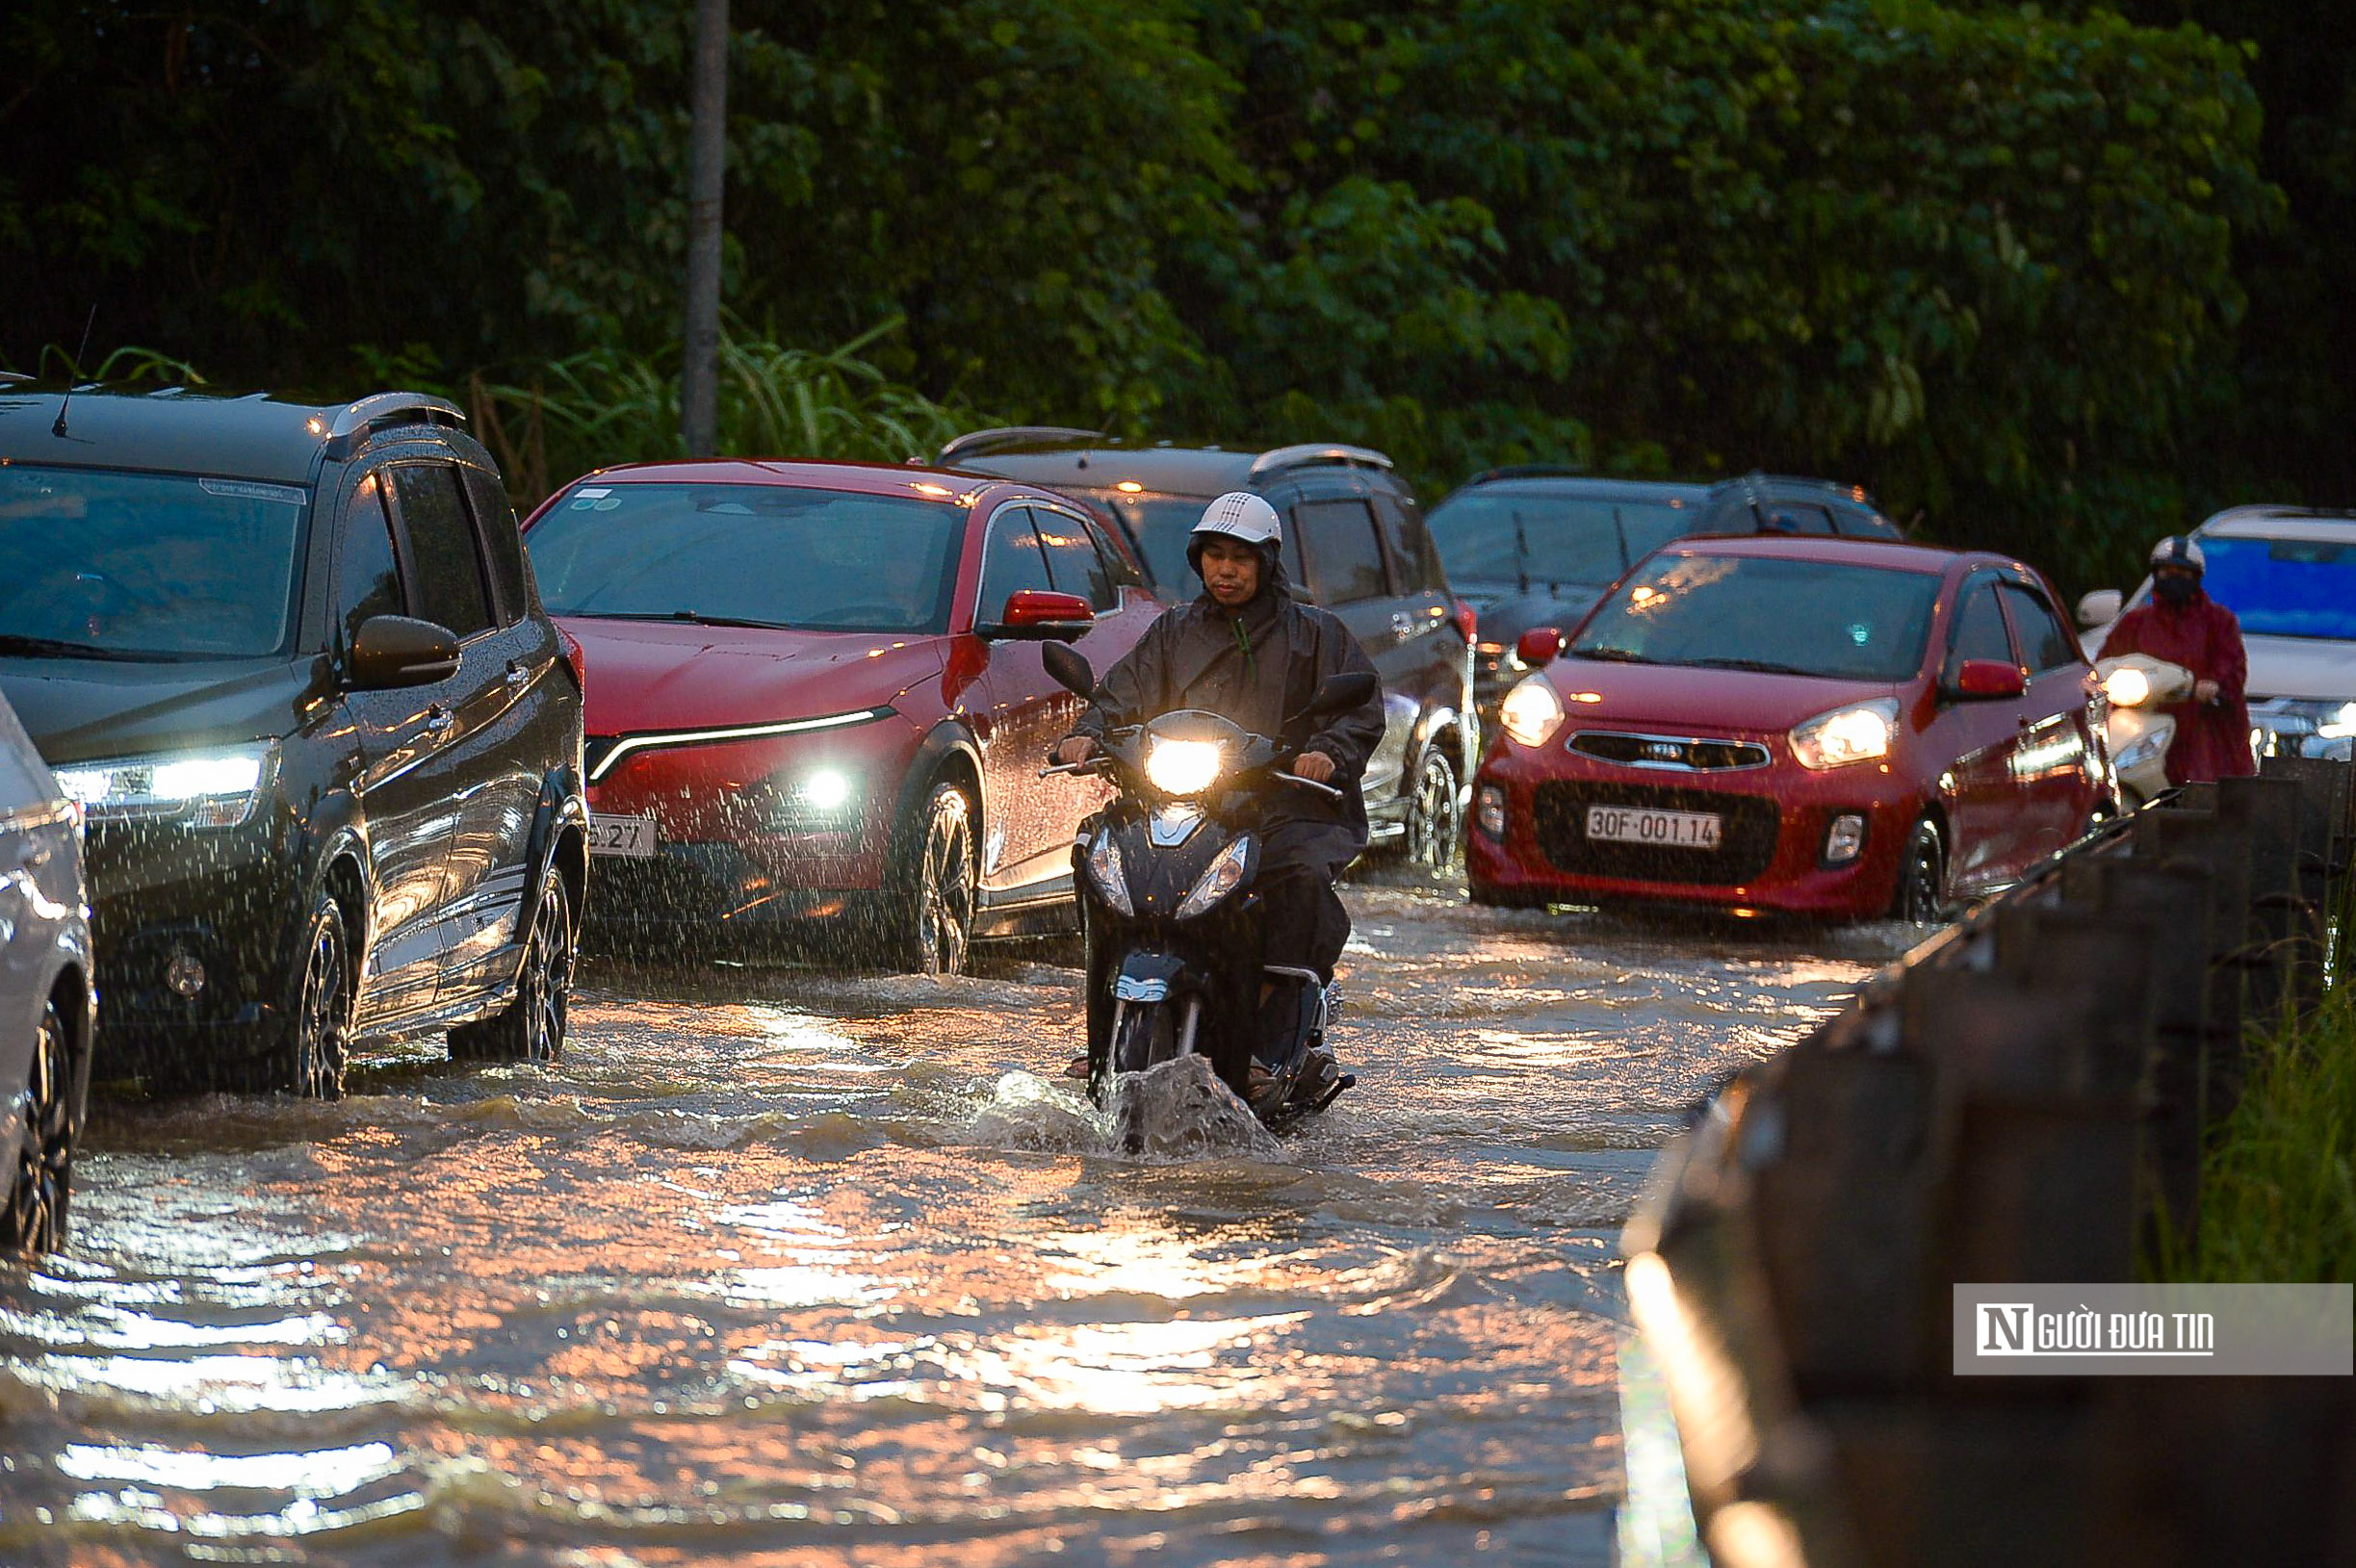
(1182, 767)
(213, 789)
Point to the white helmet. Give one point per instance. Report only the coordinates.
(2178, 549)
(1242, 515)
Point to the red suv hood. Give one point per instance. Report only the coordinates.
(658, 675)
(1594, 692)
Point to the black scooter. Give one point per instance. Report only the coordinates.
(1165, 877)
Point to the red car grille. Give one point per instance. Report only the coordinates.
(1746, 835)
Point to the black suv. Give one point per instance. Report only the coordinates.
(1354, 543)
(291, 661)
(1536, 545)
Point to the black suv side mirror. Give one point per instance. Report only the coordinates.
(391, 651)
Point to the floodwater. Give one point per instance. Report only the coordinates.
(784, 1266)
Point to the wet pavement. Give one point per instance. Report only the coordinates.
(787, 1266)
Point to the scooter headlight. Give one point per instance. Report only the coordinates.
(1219, 880)
(2126, 687)
(1182, 767)
(1111, 877)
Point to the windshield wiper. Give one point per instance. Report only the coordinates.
(1765, 666)
(1612, 656)
(686, 616)
(56, 648)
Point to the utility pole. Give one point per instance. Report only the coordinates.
(707, 162)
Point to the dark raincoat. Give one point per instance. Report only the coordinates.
(1255, 667)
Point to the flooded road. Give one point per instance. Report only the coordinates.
(792, 1268)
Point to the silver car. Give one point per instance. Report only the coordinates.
(47, 998)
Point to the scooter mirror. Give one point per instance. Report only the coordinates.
(1348, 689)
(2100, 607)
(1069, 669)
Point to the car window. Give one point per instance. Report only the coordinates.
(1412, 552)
(1117, 561)
(502, 547)
(445, 567)
(1766, 613)
(1798, 517)
(1073, 566)
(1339, 550)
(1010, 561)
(162, 565)
(368, 577)
(2285, 587)
(1980, 629)
(2044, 644)
(1859, 524)
(1498, 535)
(769, 555)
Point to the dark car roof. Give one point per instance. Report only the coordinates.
(1178, 471)
(1894, 555)
(252, 435)
(1582, 484)
(255, 436)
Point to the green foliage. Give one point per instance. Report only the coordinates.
(2278, 1189)
(609, 405)
(1988, 260)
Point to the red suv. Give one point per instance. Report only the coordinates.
(815, 694)
(1820, 726)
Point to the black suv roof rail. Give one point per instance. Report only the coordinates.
(1530, 471)
(976, 443)
(1852, 492)
(1315, 451)
(356, 422)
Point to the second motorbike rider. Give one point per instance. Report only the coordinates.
(1247, 650)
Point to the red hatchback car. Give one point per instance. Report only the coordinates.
(813, 693)
(1829, 727)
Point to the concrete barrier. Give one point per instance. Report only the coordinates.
(2022, 1099)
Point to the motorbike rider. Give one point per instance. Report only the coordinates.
(2182, 625)
(1246, 650)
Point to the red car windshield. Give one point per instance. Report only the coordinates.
(1764, 612)
(749, 555)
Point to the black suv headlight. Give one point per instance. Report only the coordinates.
(213, 787)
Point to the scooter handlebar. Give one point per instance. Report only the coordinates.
(1310, 784)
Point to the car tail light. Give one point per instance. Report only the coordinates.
(574, 656)
(1469, 621)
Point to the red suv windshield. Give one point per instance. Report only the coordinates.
(1756, 612)
(819, 560)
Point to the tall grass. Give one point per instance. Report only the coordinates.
(2278, 1187)
(605, 406)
